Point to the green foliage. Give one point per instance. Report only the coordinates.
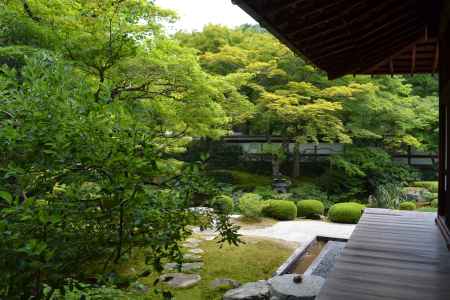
(360, 170)
(407, 205)
(308, 191)
(349, 212)
(310, 208)
(388, 196)
(223, 204)
(280, 209)
(434, 203)
(265, 192)
(250, 205)
(431, 186)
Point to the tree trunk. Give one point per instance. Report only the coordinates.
(296, 161)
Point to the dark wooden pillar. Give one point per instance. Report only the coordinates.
(443, 219)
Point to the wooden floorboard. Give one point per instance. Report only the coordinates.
(392, 255)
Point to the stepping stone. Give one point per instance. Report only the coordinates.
(251, 291)
(193, 241)
(196, 251)
(190, 245)
(186, 267)
(180, 280)
(224, 284)
(284, 288)
(189, 257)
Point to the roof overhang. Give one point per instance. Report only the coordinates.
(355, 36)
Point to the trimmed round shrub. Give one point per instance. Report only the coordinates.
(223, 204)
(280, 209)
(431, 186)
(434, 203)
(310, 209)
(407, 205)
(250, 205)
(348, 212)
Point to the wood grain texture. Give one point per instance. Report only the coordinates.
(392, 255)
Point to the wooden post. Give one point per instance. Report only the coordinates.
(443, 219)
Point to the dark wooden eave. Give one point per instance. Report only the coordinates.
(355, 36)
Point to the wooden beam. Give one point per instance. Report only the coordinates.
(436, 58)
(413, 59)
(391, 67)
(296, 28)
(277, 8)
(308, 12)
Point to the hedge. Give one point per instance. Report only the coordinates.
(223, 204)
(250, 205)
(310, 209)
(408, 205)
(432, 186)
(349, 212)
(280, 209)
(434, 203)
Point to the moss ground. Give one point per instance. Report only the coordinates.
(256, 259)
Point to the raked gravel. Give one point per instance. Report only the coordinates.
(301, 231)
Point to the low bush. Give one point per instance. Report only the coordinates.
(310, 208)
(348, 212)
(434, 203)
(280, 209)
(407, 205)
(432, 186)
(250, 205)
(264, 191)
(223, 204)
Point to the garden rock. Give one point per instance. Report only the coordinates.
(189, 257)
(284, 288)
(186, 267)
(180, 280)
(196, 251)
(251, 291)
(224, 284)
(190, 245)
(417, 194)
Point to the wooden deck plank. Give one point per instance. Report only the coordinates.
(392, 255)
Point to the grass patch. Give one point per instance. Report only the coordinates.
(255, 260)
(427, 209)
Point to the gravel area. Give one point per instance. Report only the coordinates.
(301, 231)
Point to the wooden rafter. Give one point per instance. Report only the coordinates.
(413, 59)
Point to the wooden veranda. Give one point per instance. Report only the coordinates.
(391, 255)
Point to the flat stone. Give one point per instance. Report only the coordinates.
(194, 241)
(251, 291)
(196, 251)
(327, 259)
(224, 284)
(190, 245)
(284, 288)
(189, 257)
(186, 267)
(180, 280)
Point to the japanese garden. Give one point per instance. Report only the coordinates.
(138, 162)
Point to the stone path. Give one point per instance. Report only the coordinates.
(301, 231)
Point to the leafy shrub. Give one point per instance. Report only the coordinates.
(310, 208)
(358, 171)
(280, 209)
(388, 196)
(431, 186)
(250, 205)
(434, 203)
(407, 205)
(308, 191)
(348, 212)
(223, 204)
(265, 191)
